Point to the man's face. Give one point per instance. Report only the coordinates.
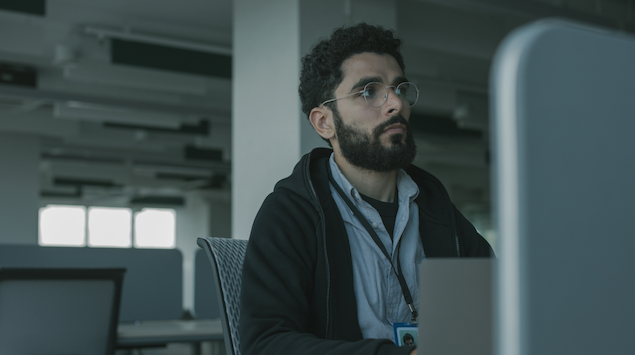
(375, 139)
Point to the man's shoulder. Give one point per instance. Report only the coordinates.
(285, 218)
(308, 179)
(423, 178)
(433, 199)
(286, 199)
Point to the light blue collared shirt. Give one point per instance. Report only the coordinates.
(380, 301)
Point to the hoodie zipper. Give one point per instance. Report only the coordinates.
(326, 256)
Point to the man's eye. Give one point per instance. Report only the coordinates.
(402, 90)
(370, 92)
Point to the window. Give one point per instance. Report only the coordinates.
(62, 226)
(107, 227)
(154, 228)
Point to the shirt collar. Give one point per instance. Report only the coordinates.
(406, 187)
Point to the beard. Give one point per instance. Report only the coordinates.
(366, 151)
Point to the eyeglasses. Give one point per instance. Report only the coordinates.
(376, 94)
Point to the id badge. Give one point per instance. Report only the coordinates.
(406, 334)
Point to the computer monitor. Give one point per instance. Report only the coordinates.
(59, 311)
(563, 104)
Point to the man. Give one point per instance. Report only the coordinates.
(333, 254)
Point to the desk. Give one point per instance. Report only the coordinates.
(160, 333)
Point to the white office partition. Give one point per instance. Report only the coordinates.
(563, 99)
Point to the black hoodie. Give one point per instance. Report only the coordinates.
(297, 288)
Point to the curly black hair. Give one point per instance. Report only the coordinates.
(322, 67)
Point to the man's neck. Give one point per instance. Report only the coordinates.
(378, 185)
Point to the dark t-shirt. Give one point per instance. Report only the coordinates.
(387, 211)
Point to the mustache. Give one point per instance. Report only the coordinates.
(392, 120)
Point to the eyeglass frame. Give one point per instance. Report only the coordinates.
(385, 87)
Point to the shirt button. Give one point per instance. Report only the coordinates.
(374, 225)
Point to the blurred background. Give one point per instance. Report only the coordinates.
(149, 123)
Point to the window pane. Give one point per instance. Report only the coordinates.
(109, 227)
(154, 228)
(62, 226)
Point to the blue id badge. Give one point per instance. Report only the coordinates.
(406, 334)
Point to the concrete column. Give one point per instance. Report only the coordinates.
(270, 133)
(19, 188)
(192, 222)
(265, 122)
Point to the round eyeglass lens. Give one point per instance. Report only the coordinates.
(375, 94)
(408, 93)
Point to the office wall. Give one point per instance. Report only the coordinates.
(19, 188)
(220, 218)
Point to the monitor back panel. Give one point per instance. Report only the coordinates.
(455, 306)
(59, 311)
(563, 100)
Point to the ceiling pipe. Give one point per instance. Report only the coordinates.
(103, 33)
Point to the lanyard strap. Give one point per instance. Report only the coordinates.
(402, 281)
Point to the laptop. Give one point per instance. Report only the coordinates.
(455, 306)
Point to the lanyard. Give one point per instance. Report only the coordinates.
(402, 281)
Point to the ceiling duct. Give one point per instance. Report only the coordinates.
(18, 74)
(163, 53)
(154, 56)
(158, 201)
(61, 181)
(75, 193)
(102, 113)
(440, 125)
(31, 7)
(103, 33)
(201, 128)
(194, 153)
(191, 171)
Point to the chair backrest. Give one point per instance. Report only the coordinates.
(226, 256)
(59, 311)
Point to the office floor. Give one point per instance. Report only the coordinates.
(207, 348)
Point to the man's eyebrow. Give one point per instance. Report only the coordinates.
(369, 79)
(398, 80)
(363, 81)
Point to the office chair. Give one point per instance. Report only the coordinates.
(226, 256)
(59, 311)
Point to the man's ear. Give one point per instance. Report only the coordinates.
(322, 120)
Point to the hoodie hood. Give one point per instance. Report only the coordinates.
(309, 175)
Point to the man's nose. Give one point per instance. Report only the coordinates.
(394, 104)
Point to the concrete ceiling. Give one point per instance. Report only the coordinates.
(131, 126)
